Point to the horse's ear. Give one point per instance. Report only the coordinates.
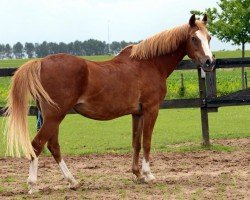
(205, 19)
(192, 20)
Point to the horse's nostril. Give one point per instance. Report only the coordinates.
(208, 62)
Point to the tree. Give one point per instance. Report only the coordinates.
(78, 48)
(230, 23)
(8, 51)
(18, 50)
(2, 52)
(124, 44)
(71, 48)
(115, 47)
(42, 50)
(52, 47)
(94, 47)
(63, 48)
(29, 49)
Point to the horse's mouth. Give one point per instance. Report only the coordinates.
(206, 69)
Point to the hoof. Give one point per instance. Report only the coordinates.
(141, 180)
(32, 190)
(149, 177)
(145, 178)
(73, 185)
(31, 186)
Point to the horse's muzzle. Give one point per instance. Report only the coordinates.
(208, 65)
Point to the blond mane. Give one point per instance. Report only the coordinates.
(160, 44)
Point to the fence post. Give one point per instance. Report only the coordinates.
(203, 108)
(182, 87)
(245, 77)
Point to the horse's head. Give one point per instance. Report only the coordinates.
(198, 48)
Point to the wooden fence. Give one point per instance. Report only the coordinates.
(208, 101)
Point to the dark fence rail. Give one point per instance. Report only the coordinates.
(208, 101)
(183, 65)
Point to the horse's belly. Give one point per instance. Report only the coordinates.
(104, 111)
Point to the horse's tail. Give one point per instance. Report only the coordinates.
(25, 84)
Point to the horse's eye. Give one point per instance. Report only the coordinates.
(193, 39)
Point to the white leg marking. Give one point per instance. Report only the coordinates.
(67, 174)
(146, 171)
(204, 44)
(32, 175)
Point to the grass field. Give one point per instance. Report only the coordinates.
(79, 135)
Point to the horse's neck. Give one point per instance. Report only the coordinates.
(166, 64)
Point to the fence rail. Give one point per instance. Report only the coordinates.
(208, 101)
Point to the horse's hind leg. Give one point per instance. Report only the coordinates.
(48, 129)
(54, 148)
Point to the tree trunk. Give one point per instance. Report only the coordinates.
(243, 69)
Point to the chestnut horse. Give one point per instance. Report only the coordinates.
(133, 82)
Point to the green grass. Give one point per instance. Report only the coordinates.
(9, 179)
(230, 54)
(79, 135)
(227, 81)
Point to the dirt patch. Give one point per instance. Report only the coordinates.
(196, 175)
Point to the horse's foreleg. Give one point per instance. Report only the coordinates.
(54, 148)
(137, 131)
(148, 125)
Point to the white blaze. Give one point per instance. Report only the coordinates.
(204, 44)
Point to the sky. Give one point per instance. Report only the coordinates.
(70, 20)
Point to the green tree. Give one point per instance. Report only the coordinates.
(71, 48)
(29, 49)
(63, 48)
(115, 47)
(230, 23)
(2, 52)
(8, 51)
(52, 47)
(42, 50)
(18, 50)
(94, 47)
(79, 49)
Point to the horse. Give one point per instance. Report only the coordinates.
(133, 82)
